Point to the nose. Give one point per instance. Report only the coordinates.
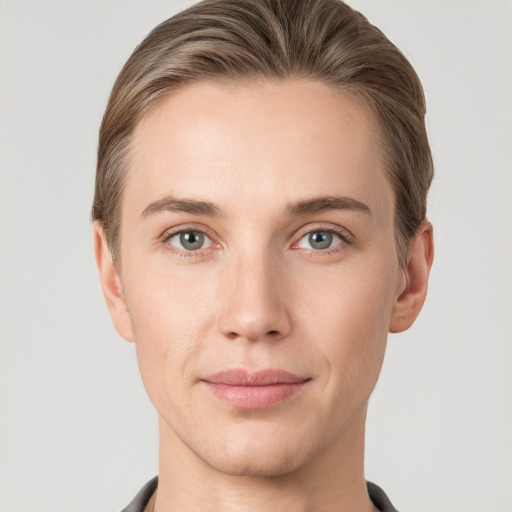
(253, 299)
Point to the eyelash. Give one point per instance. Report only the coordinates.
(345, 240)
(345, 237)
(181, 252)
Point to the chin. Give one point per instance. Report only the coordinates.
(247, 457)
(254, 465)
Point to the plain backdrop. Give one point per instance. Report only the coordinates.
(77, 432)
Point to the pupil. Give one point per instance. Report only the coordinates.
(192, 240)
(320, 239)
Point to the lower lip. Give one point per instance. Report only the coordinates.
(255, 397)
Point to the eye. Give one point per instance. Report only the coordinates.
(319, 240)
(190, 240)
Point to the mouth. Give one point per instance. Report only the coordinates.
(254, 390)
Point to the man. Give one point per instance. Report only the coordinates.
(259, 228)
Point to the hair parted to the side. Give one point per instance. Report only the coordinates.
(242, 40)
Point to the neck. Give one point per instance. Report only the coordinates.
(332, 481)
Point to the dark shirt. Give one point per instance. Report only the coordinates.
(377, 495)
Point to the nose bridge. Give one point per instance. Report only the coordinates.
(253, 298)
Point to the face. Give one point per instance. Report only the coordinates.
(258, 268)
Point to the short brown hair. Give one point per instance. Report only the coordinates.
(240, 40)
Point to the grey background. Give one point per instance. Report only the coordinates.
(77, 432)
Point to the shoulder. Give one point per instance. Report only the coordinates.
(138, 504)
(379, 498)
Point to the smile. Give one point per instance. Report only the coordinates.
(254, 390)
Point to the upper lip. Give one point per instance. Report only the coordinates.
(242, 377)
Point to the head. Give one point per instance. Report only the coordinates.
(239, 41)
(260, 204)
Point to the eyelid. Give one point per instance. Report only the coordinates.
(184, 228)
(206, 239)
(343, 233)
(346, 240)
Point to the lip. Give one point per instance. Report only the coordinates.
(254, 389)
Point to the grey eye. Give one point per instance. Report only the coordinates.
(320, 239)
(189, 240)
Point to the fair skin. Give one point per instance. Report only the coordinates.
(266, 275)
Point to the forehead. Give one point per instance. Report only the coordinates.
(263, 143)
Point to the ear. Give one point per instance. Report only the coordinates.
(419, 262)
(111, 284)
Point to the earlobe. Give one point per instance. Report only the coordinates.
(111, 284)
(419, 262)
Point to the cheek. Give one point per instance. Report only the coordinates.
(348, 315)
(171, 315)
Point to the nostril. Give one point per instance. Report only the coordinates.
(234, 335)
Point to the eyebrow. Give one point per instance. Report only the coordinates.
(326, 203)
(303, 207)
(173, 204)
